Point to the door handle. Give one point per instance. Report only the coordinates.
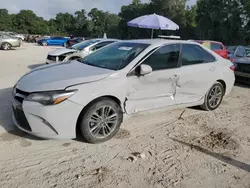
(173, 77)
(212, 68)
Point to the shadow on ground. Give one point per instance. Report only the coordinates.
(218, 156)
(6, 122)
(243, 85)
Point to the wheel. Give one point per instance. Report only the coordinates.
(101, 121)
(65, 44)
(6, 46)
(214, 97)
(44, 43)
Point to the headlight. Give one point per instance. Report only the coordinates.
(50, 98)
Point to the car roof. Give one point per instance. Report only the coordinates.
(211, 41)
(103, 39)
(159, 42)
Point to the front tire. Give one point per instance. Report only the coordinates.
(101, 121)
(6, 46)
(214, 97)
(44, 43)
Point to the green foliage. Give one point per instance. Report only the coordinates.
(222, 20)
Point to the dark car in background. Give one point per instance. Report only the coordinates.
(53, 41)
(240, 57)
(237, 52)
(215, 46)
(74, 41)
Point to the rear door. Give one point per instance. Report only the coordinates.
(219, 49)
(198, 73)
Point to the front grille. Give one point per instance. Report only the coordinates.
(243, 68)
(21, 119)
(20, 95)
(52, 58)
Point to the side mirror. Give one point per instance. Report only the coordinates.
(145, 69)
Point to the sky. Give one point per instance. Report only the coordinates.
(49, 8)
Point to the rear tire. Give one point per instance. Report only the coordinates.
(101, 121)
(214, 97)
(6, 46)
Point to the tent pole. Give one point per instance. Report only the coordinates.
(152, 33)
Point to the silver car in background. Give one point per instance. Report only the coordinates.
(7, 42)
(78, 50)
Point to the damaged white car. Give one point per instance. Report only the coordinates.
(92, 96)
(77, 51)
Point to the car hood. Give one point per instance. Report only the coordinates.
(60, 76)
(61, 51)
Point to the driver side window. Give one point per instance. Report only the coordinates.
(165, 57)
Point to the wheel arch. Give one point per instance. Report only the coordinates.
(113, 98)
(223, 84)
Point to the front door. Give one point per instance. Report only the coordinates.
(198, 73)
(158, 88)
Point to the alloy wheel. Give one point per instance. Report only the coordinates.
(215, 96)
(103, 122)
(6, 46)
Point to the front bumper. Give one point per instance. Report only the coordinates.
(49, 122)
(242, 77)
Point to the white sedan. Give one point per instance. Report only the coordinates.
(93, 95)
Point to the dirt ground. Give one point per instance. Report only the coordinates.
(184, 148)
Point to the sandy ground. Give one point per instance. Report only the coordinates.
(195, 149)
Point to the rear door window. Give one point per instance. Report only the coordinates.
(194, 54)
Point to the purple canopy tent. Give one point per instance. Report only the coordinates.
(153, 21)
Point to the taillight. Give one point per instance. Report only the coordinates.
(233, 67)
(232, 60)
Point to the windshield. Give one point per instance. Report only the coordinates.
(248, 52)
(231, 49)
(82, 45)
(115, 56)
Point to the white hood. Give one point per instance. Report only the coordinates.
(60, 76)
(61, 51)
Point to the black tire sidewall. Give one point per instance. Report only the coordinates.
(4, 44)
(206, 105)
(84, 127)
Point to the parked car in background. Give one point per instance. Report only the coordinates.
(14, 35)
(240, 56)
(7, 42)
(77, 51)
(74, 41)
(92, 96)
(237, 52)
(53, 41)
(215, 46)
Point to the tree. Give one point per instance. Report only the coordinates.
(128, 13)
(220, 20)
(5, 20)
